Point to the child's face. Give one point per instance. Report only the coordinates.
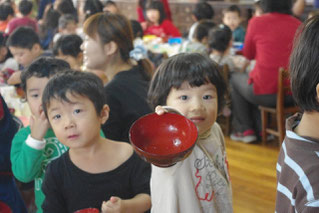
(34, 90)
(25, 56)
(153, 15)
(76, 124)
(231, 19)
(199, 104)
(93, 53)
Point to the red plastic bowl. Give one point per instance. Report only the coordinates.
(164, 139)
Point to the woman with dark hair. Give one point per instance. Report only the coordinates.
(268, 40)
(108, 46)
(157, 24)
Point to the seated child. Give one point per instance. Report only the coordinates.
(298, 161)
(7, 63)
(9, 193)
(220, 43)
(24, 44)
(94, 169)
(199, 43)
(35, 146)
(6, 14)
(231, 18)
(202, 11)
(157, 24)
(67, 26)
(68, 48)
(25, 9)
(192, 84)
(111, 7)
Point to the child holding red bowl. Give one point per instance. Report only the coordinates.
(193, 85)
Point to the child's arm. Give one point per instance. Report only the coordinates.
(27, 149)
(140, 203)
(26, 161)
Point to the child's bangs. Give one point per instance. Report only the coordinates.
(193, 73)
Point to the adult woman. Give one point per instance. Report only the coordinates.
(108, 46)
(269, 41)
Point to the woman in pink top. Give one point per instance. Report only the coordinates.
(269, 41)
(156, 23)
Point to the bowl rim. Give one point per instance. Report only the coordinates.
(160, 155)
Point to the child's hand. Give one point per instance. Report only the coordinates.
(39, 125)
(160, 110)
(114, 205)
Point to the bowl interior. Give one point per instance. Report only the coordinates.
(163, 135)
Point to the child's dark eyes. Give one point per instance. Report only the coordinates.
(77, 111)
(34, 95)
(56, 117)
(183, 97)
(207, 97)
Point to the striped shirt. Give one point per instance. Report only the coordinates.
(297, 172)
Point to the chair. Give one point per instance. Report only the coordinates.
(224, 118)
(280, 111)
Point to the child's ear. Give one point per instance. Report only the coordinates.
(79, 57)
(110, 48)
(104, 115)
(36, 47)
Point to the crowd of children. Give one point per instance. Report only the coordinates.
(87, 76)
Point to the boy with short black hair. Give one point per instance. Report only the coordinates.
(298, 161)
(68, 48)
(202, 10)
(24, 44)
(25, 8)
(34, 146)
(95, 169)
(232, 18)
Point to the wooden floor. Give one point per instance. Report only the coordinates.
(252, 170)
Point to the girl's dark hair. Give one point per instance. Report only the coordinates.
(304, 65)
(279, 6)
(203, 28)
(219, 38)
(194, 68)
(75, 83)
(115, 27)
(156, 5)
